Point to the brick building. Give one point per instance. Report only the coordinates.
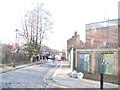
(75, 41)
(100, 52)
(103, 33)
(101, 48)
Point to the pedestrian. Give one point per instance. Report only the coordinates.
(40, 57)
(46, 57)
(37, 57)
(62, 57)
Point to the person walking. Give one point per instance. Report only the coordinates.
(37, 57)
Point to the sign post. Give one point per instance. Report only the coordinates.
(14, 47)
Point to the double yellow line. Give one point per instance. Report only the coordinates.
(50, 82)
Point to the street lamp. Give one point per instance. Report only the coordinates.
(16, 34)
(15, 48)
(17, 40)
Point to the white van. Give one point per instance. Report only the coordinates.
(57, 57)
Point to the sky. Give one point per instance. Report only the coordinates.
(68, 16)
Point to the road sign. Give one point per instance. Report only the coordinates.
(14, 46)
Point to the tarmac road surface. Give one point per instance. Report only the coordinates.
(28, 77)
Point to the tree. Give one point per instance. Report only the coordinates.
(35, 27)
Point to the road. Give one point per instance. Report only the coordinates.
(46, 75)
(29, 77)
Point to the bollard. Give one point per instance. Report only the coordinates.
(14, 63)
(14, 66)
(101, 81)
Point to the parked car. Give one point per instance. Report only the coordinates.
(62, 58)
(57, 57)
(52, 57)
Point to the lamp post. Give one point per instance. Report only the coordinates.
(16, 34)
(17, 40)
(15, 47)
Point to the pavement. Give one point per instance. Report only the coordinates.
(60, 77)
(4, 69)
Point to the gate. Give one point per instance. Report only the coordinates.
(84, 62)
(107, 63)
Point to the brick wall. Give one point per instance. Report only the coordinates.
(96, 37)
(94, 62)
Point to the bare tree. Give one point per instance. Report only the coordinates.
(36, 24)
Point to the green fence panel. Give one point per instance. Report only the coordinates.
(107, 64)
(81, 63)
(84, 62)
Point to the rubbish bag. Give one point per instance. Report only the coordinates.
(74, 74)
(80, 75)
(70, 74)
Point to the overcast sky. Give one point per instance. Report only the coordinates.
(68, 16)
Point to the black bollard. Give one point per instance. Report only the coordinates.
(14, 63)
(101, 81)
(14, 66)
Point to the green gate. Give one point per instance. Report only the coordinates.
(107, 63)
(84, 62)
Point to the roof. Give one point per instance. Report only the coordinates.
(101, 24)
